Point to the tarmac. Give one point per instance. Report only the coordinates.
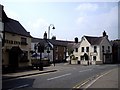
(106, 80)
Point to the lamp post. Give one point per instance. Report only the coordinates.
(49, 30)
(48, 51)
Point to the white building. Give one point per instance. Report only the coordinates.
(94, 50)
(46, 44)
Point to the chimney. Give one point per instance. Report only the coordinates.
(105, 35)
(76, 40)
(45, 35)
(53, 37)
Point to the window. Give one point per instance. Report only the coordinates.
(56, 49)
(94, 58)
(24, 56)
(56, 56)
(87, 49)
(23, 41)
(82, 50)
(108, 48)
(64, 49)
(77, 58)
(64, 56)
(102, 48)
(76, 50)
(82, 57)
(95, 48)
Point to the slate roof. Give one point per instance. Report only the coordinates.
(116, 42)
(35, 40)
(73, 45)
(41, 41)
(54, 42)
(58, 42)
(94, 40)
(13, 26)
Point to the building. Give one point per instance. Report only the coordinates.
(59, 50)
(45, 53)
(16, 44)
(94, 50)
(116, 51)
(55, 50)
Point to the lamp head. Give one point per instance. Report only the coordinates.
(53, 27)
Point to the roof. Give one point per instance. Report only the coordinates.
(13, 26)
(94, 40)
(53, 42)
(41, 41)
(116, 42)
(73, 45)
(58, 42)
(36, 40)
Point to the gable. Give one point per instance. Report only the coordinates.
(84, 42)
(105, 41)
(94, 40)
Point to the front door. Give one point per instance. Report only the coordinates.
(13, 60)
(13, 57)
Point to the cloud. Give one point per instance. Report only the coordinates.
(96, 24)
(87, 7)
(37, 27)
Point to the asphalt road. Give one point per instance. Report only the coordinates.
(67, 76)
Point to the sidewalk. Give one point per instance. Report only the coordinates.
(28, 73)
(107, 80)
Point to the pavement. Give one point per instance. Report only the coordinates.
(106, 80)
(28, 73)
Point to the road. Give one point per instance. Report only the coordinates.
(67, 76)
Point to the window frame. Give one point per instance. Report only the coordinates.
(87, 49)
(95, 49)
(82, 49)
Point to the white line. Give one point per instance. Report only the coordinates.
(59, 76)
(19, 87)
(96, 80)
(85, 70)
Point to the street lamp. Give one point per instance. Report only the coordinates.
(48, 50)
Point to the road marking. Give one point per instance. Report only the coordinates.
(28, 76)
(59, 76)
(19, 87)
(85, 70)
(97, 79)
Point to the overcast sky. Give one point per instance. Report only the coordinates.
(71, 19)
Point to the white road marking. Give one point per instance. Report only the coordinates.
(96, 79)
(59, 76)
(85, 70)
(28, 76)
(19, 87)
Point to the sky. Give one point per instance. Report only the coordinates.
(70, 19)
